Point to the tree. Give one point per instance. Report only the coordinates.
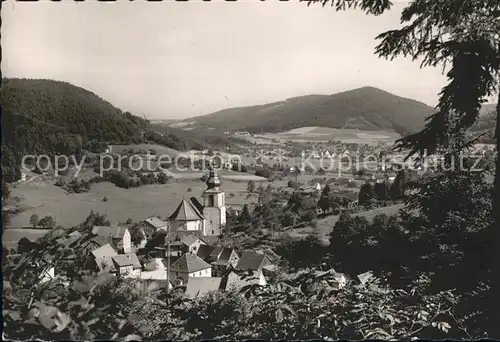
(293, 184)
(136, 234)
(94, 219)
(47, 222)
(366, 194)
(465, 35)
(324, 201)
(251, 186)
(265, 172)
(5, 190)
(397, 187)
(381, 191)
(34, 220)
(245, 218)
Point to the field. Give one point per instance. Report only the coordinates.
(44, 198)
(136, 147)
(347, 135)
(11, 236)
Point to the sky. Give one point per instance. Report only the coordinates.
(182, 59)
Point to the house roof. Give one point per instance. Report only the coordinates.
(115, 232)
(271, 255)
(226, 254)
(156, 222)
(186, 212)
(104, 251)
(103, 257)
(190, 263)
(204, 251)
(200, 286)
(216, 252)
(122, 260)
(188, 240)
(209, 239)
(250, 260)
(224, 257)
(365, 277)
(237, 280)
(70, 238)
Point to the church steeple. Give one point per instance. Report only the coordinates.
(213, 180)
(214, 208)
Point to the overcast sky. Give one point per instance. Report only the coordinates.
(174, 60)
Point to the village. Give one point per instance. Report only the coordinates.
(182, 251)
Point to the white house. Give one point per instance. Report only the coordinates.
(127, 265)
(192, 243)
(188, 266)
(118, 236)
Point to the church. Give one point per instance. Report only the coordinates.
(208, 218)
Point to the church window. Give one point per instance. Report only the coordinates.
(211, 200)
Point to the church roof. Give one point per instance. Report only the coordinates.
(186, 211)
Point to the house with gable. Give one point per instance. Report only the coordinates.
(221, 258)
(192, 243)
(189, 266)
(181, 244)
(127, 265)
(201, 286)
(101, 258)
(118, 236)
(153, 224)
(254, 262)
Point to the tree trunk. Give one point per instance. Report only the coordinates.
(496, 188)
(495, 239)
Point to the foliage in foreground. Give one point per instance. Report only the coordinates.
(309, 306)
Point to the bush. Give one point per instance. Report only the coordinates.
(264, 172)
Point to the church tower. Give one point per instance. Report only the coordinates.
(214, 205)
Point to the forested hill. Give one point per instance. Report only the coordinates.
(366, 108)
(49, 117)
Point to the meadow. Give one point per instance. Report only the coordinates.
(11, 236)
(324, 134)
(44, 198)
(160, 150)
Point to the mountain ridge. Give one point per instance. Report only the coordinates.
(365, 108)
(42, 116)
